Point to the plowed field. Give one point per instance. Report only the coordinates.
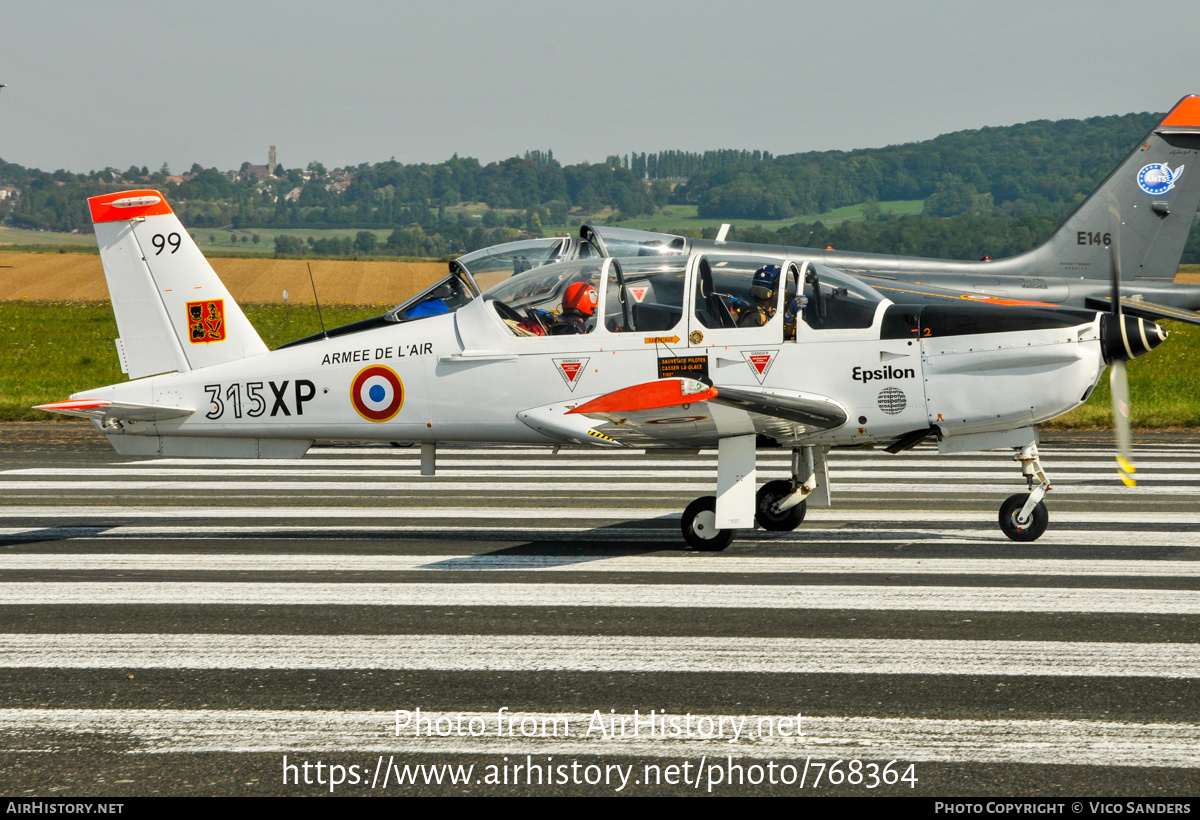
(79, 277)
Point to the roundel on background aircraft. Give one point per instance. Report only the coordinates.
(377, 393)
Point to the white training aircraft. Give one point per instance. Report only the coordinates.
(732, 351)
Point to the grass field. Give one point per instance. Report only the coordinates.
(219, 242)
(683, 217)
(52, 349)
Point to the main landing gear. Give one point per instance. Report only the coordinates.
(779, 506)
(1024, 517)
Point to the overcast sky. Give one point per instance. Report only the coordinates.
(116, 84)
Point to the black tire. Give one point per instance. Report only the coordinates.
(1037, 522)
(699, 526)
(786, 521)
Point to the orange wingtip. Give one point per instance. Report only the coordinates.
(998, 300)
(1186, 114)
(649, 396)
(74, 404)
(125, 205)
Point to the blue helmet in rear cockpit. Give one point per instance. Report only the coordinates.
(766, 281)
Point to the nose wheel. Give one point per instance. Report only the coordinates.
(1024, 517)
(1032, 529)
(699, 525)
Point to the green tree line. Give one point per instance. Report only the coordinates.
(988, 191)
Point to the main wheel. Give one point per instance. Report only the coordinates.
(1038, 521)
(768, 495)
(699, 526)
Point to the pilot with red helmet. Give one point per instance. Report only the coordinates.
(578, 307)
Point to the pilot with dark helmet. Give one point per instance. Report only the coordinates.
(763, 290)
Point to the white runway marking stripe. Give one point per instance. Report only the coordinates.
(713, 596)
(1082, 742)
(220, 562)
(804, 535)
(412, 472)
(600, 653)
(1001, 463)
(1108, 518)
(419, 484)
(1101, 446)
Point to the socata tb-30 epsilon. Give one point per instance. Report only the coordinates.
(734, 351)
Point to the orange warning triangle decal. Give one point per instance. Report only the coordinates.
(571, 370)
(760, 362)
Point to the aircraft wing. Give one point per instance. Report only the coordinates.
(926, 294)
(103, 410)
(688, 413)
(1145, 310)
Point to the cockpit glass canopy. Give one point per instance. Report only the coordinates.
(553, 300)
(490, 265)
(623, 242)
(844, 302)
(444, 296)
(739, 291)
(644, 294)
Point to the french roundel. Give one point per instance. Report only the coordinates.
(377, 393)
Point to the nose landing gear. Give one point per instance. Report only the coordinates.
(1023, 517)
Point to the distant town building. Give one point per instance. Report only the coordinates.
(263, 171)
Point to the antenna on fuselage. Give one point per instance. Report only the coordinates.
(316, 301)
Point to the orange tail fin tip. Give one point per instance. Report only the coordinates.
(127, 205)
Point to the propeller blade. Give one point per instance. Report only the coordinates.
(1117, 379)
(1120, 396)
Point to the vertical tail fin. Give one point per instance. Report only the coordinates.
(173, 313)
(1156, 190)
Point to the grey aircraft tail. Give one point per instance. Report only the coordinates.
(1155, 190)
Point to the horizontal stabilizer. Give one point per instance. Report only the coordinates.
(1145, 310)
(103, 410)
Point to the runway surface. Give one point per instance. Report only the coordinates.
(174, 626)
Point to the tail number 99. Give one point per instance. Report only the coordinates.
(160, 242)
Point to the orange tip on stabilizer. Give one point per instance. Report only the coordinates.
(126, 205)
(74, 404)
(1186, 114)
